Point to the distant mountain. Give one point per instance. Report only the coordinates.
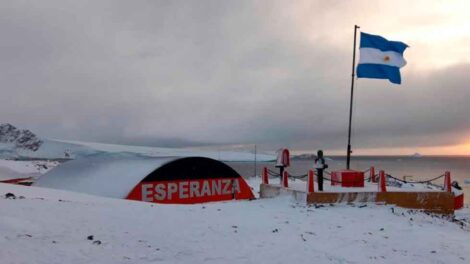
(20, 139)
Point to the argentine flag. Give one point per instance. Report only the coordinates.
(380, 58)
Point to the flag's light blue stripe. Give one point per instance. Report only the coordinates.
(379, 71)
(378, 42)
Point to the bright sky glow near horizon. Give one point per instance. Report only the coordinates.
(271, 73)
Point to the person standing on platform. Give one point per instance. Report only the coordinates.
(320, 166)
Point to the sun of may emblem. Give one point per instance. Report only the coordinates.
(386, 58)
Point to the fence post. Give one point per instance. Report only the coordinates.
(265, 177)
(285, 179)
(382, 186)
(310, 182)
(447, 182)
(372, 174)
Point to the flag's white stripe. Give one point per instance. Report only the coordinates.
(376, 56)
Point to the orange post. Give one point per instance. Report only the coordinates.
(310, 182)
(372, 174)
(285, 179)
(447, 182)
(265, 177)
(382, 186)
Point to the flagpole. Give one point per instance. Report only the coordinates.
(349, 150)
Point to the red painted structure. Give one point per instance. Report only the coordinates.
(285, 179)
(282, 161)
(265, 176)
(458, 199)
(347, 178)
(191, 191)
(175, 180)
(310, 182)
(458, 202)
(191, 180)
(283, 158)
(16, 181)
(447, 182)
(372, 174)
(382, 182)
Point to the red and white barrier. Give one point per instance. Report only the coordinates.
(372, 174)
(283, 158)
(310, 182)
(265, 176)
(447, 182)
(285, 179)
(382, 187)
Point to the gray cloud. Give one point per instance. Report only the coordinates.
(189, 73)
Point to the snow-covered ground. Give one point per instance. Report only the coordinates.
(51, 226)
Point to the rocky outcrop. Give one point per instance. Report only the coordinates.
(21, 139)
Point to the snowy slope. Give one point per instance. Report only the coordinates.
(13, 169)
(61, 149)
(50, 226)
(106, 176)
(23, 144)
(165, 152)
(49, 149)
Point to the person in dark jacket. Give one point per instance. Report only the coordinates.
(320, 166)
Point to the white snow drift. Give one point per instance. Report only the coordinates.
(52, 227)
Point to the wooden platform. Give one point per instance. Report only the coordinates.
(435, 202)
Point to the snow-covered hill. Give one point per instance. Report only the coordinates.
(43, 226)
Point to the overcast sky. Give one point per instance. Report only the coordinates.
(274, 73)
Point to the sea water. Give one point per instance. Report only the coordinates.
(414, 168)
